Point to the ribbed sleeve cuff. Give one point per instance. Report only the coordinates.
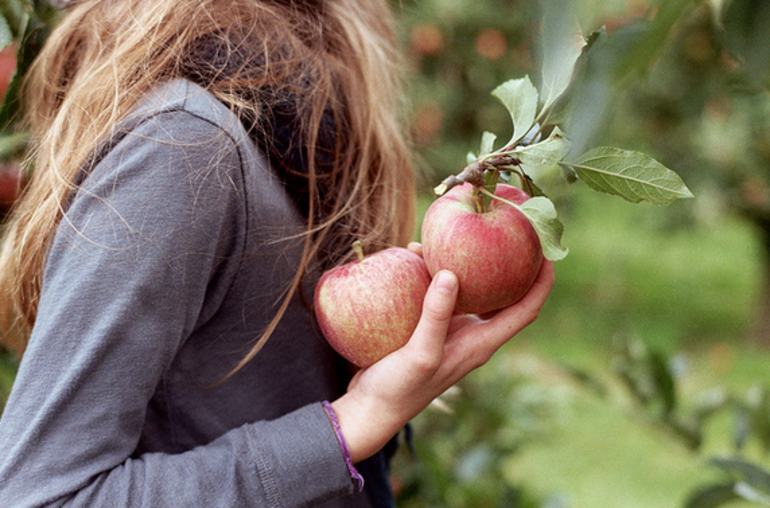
(298, 458)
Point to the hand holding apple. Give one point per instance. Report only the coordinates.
(443, 349)
(369, 308)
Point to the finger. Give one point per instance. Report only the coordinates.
(489, 336)
(535, 298)
(427, 341)
(415, 247)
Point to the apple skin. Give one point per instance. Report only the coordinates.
(496, 255)
(368, 308)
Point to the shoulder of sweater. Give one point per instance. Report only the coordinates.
(195, 117)
(185, 96)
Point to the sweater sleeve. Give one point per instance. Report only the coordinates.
(158, 222)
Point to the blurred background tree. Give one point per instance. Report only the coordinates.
(683, 80)
(704, 109)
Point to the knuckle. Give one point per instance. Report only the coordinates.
(530, 317)
(436, 313)
(477, 356)
(533, 315)
(426, 363)
(481, 358)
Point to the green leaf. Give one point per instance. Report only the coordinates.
(487, 143)
(530, 187)
(709, 403)
(562, 45)
(546, 153)
(712, 496)
(12, 144)
(745, 35)
(470, 158)
(34, 33)
(749, 493)
(641, 56)
(490, 184)
(542, 214)
(758, 408)
(631, 175)
(665, 386)
(520, 97)
(741, 427)
(717, 11)
(746, 472)
(586, 379)
(6, 34)
(14, 12)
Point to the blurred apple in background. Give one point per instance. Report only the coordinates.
(7, 67)
(11, 183)
(11, 174)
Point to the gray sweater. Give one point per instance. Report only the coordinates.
(168, 264)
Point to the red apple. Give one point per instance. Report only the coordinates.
(369, 308)
(496, 254)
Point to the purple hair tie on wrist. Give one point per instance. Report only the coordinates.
(358, 480)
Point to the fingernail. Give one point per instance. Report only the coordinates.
(446, 282)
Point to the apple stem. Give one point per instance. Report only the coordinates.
(473, 173)
(490, 183)
(358, 250)
(478, 200)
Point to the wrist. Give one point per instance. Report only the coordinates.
(358, 480)
(365, 426)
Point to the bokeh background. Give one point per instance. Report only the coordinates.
(645, 382)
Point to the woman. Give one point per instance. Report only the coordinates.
(197, 164)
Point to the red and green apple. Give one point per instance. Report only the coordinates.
(370, 307)
(495, 253)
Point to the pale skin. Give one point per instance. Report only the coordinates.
(444, 348)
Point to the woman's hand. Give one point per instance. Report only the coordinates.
(444, 348)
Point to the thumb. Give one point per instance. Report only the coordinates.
(437, 311)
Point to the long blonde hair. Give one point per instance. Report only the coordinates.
(105, 54)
